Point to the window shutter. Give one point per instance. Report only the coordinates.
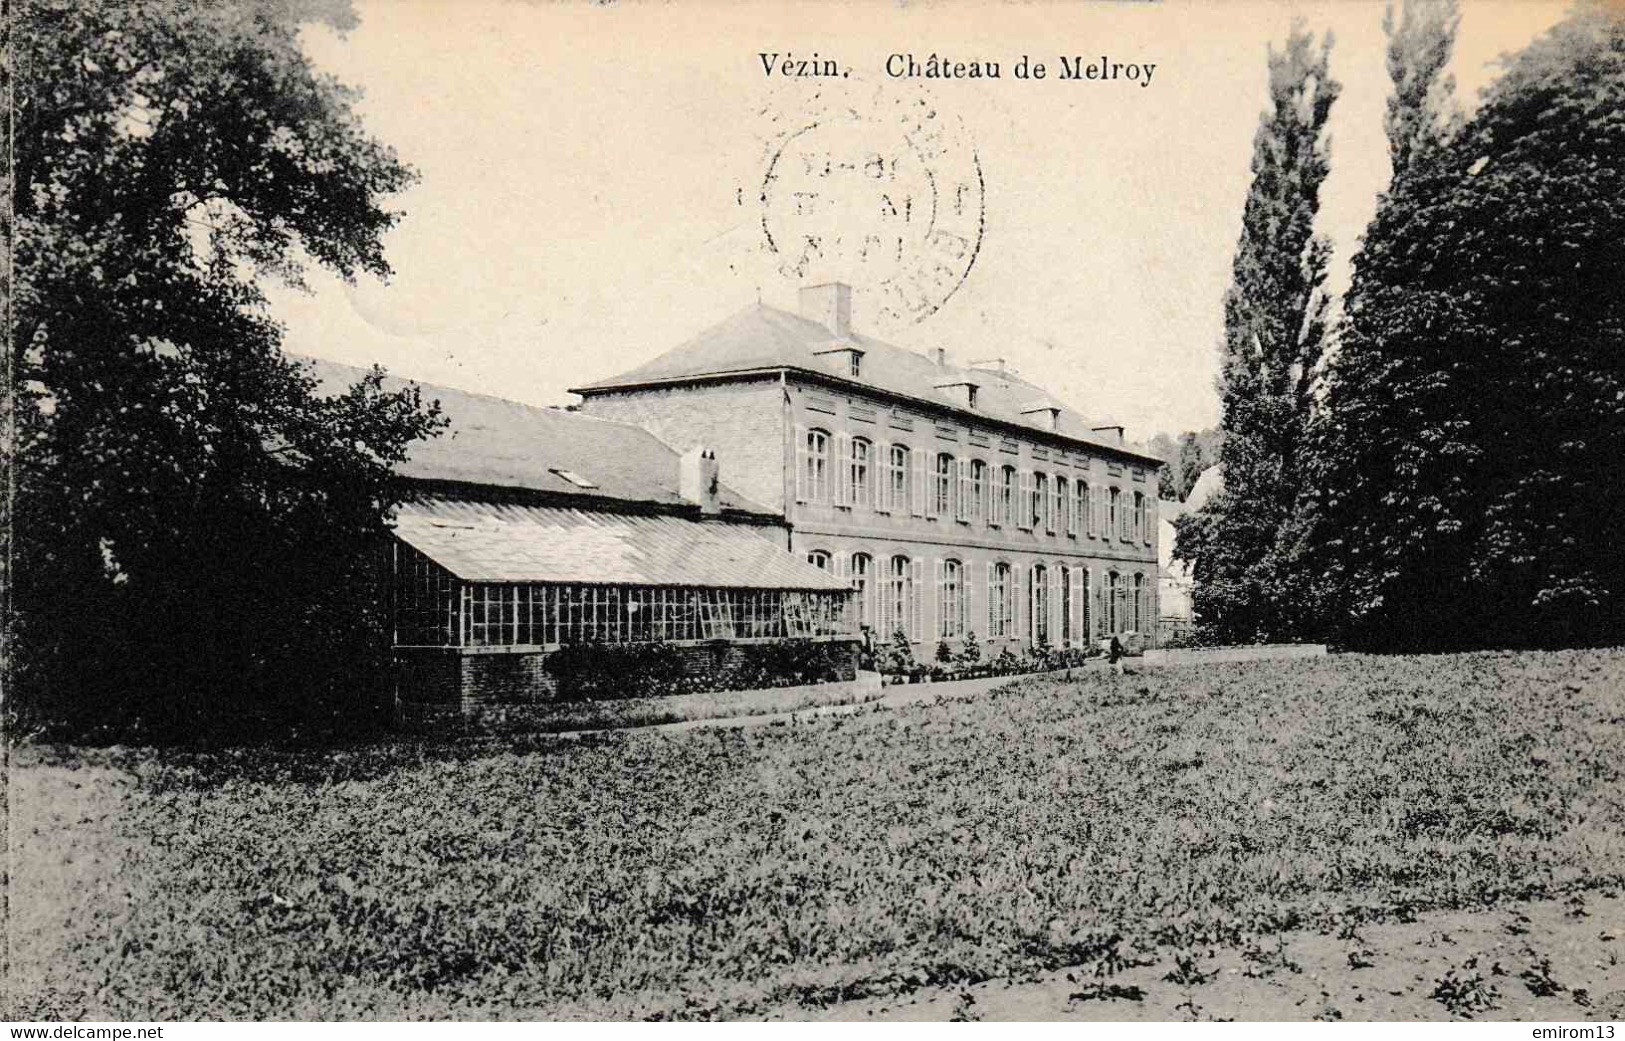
(1075, 623)
(962, 506)
(1100, 514)
(843, 566)
(841, 462)
(918, 506)
(991, 603)
(801, 462)
(918, 583)
(1053, 521)
(1024, 508)
(880, 473)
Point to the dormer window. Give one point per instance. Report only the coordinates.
(960, 392)
(847, 356)
(1045, 414)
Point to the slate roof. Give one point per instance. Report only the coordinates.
(505, 444)
(499, 542)
(767, 338)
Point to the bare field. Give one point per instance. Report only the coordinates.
(1185, 821)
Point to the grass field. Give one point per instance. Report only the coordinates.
(737, 872)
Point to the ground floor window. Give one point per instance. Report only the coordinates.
(951, 601)
(1038, 624)
(1114, 602)
(1066, 605)
(998, 602)
(862, 565)
(898, 602)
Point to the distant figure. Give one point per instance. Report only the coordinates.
(1114, 655)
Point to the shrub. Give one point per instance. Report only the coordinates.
(599, 672)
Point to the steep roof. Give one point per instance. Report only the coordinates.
(500, 542)
(766, 338)
(500, 443)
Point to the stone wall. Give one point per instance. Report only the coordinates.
(742, 422)
(434, 685)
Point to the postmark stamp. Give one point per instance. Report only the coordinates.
(886, 194)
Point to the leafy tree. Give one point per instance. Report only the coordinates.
(1186, 458)
(198, 534)
(1475, 417)
(1244, 545)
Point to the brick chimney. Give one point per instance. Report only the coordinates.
(830, 305)
(698, 480)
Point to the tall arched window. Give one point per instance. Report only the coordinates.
(1038, 616)
(998, 602)
(978, 489)
(1141, 607)
(862, 565)
(1139, 516)
(1113, 523)
(819, 558)
(1039, 509)
(899, 595)
(816, 460)
(897, 478)
(951, 601)
(1114, 598)
(1007, 496)
(858, 471)
(1080, 507)
(1063, 506)
(943, 485)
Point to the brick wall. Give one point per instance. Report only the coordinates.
(743, 422)
(435, 685)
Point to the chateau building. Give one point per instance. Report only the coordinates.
(954, 499)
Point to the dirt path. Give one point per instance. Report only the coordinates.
(1549, 961)
(894, 697)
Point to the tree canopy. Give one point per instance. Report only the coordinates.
(197, 531)
(1470, 452)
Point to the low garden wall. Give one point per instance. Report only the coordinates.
(435, 685)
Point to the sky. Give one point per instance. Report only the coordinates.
(591, 181)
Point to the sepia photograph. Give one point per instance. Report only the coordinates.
(879, 511)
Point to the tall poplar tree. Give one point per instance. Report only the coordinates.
(1243, 544)
(1421, 109)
